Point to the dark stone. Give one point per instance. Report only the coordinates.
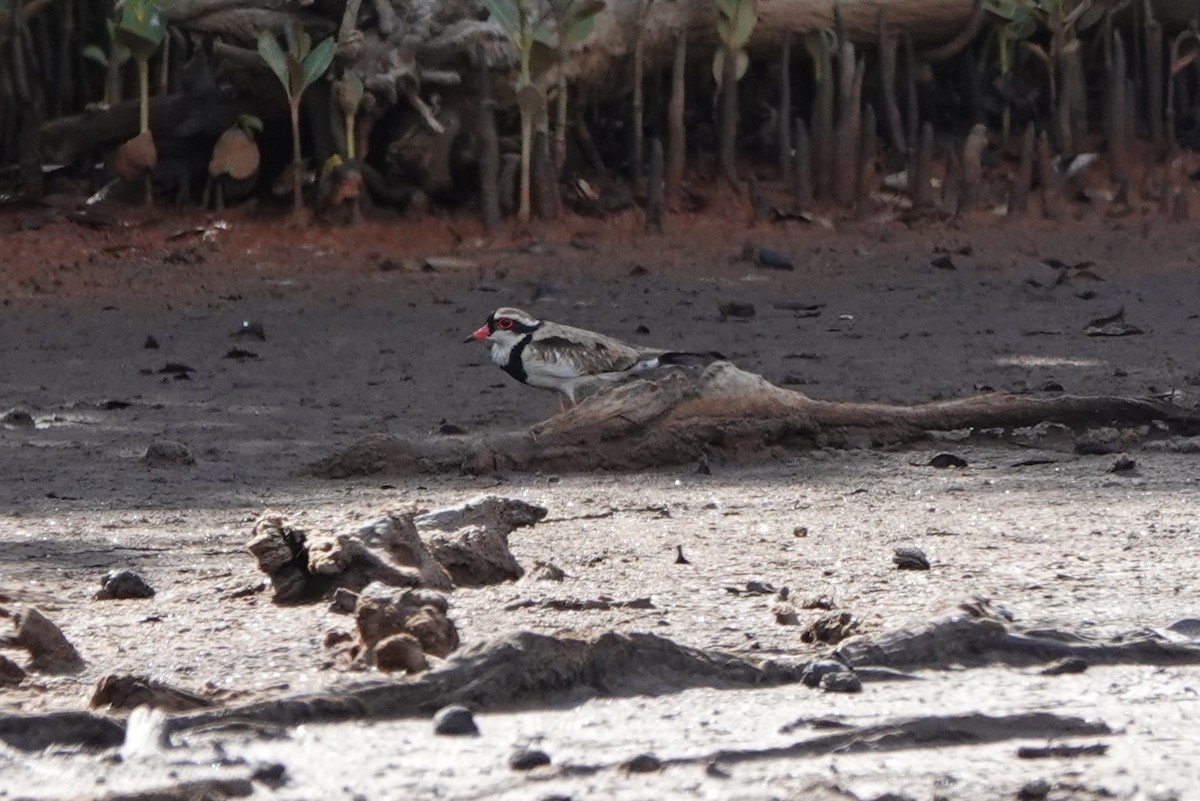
(841, 682)
(455, 721)
(528, 759)
(910, 557)
(123, 584)
(642, 763)
(814, 671)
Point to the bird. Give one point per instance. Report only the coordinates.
(562, 358)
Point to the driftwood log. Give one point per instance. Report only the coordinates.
(725, 413)
(536, 669)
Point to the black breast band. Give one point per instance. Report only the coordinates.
(514, 366)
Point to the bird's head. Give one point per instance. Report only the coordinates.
(505, 326)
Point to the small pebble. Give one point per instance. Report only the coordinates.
(642, 763)
(910, 557)
(150, 344)
(944, 460)
(1123, 464)
(167, 453)
(772, 259)
(123, 584)
(735, 309)
(1034, 790)
(17, 418)
(454, 721)
(272, 774)
(528, 759)
(251, 329)
(842, 682)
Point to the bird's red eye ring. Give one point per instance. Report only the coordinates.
(504, 323)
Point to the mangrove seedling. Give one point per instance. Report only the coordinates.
(297, 69)
(111, 60)
(735, 22)
(141, 29)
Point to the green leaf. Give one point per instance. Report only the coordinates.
(142, 26)
(249, 122)
(95, 53)
(505, 13)
(544, 34)
(271, 53)
(577, 30)
(743, 23)
(318, 61)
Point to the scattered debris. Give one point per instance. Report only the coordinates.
(601, 604)
(303, 565)
(944, 263)
(818, 602)
(1113, 325)
(910, 557)
(455, 721)
(10, 671)
(400, 652)
(1066, 665)
(127, 691)
(384, 611)
(680, 559)
(123, 584)
(1061, 751)
(830, 629)
(167, 453)
(735, 309)
(145, 733)
(176, 369)
(238, 354)
(1124, 464)
(49, 648)
(841, 681)
(471, 540)
(815, 671)
(272, 774)
(752, 587)
(151, 342)
(785, 613)
(546, 571)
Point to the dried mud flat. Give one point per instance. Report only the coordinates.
(363, 336)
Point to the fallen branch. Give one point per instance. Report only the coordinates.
(725, 412)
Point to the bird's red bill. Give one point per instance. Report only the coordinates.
(481, 333)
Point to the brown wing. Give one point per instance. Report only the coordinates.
(568, 352)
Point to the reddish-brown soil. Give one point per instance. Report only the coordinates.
(362, 337)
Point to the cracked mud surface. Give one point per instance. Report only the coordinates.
(351, 349)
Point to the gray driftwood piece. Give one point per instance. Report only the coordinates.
(721, 411)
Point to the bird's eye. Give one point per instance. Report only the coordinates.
(504, 323)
